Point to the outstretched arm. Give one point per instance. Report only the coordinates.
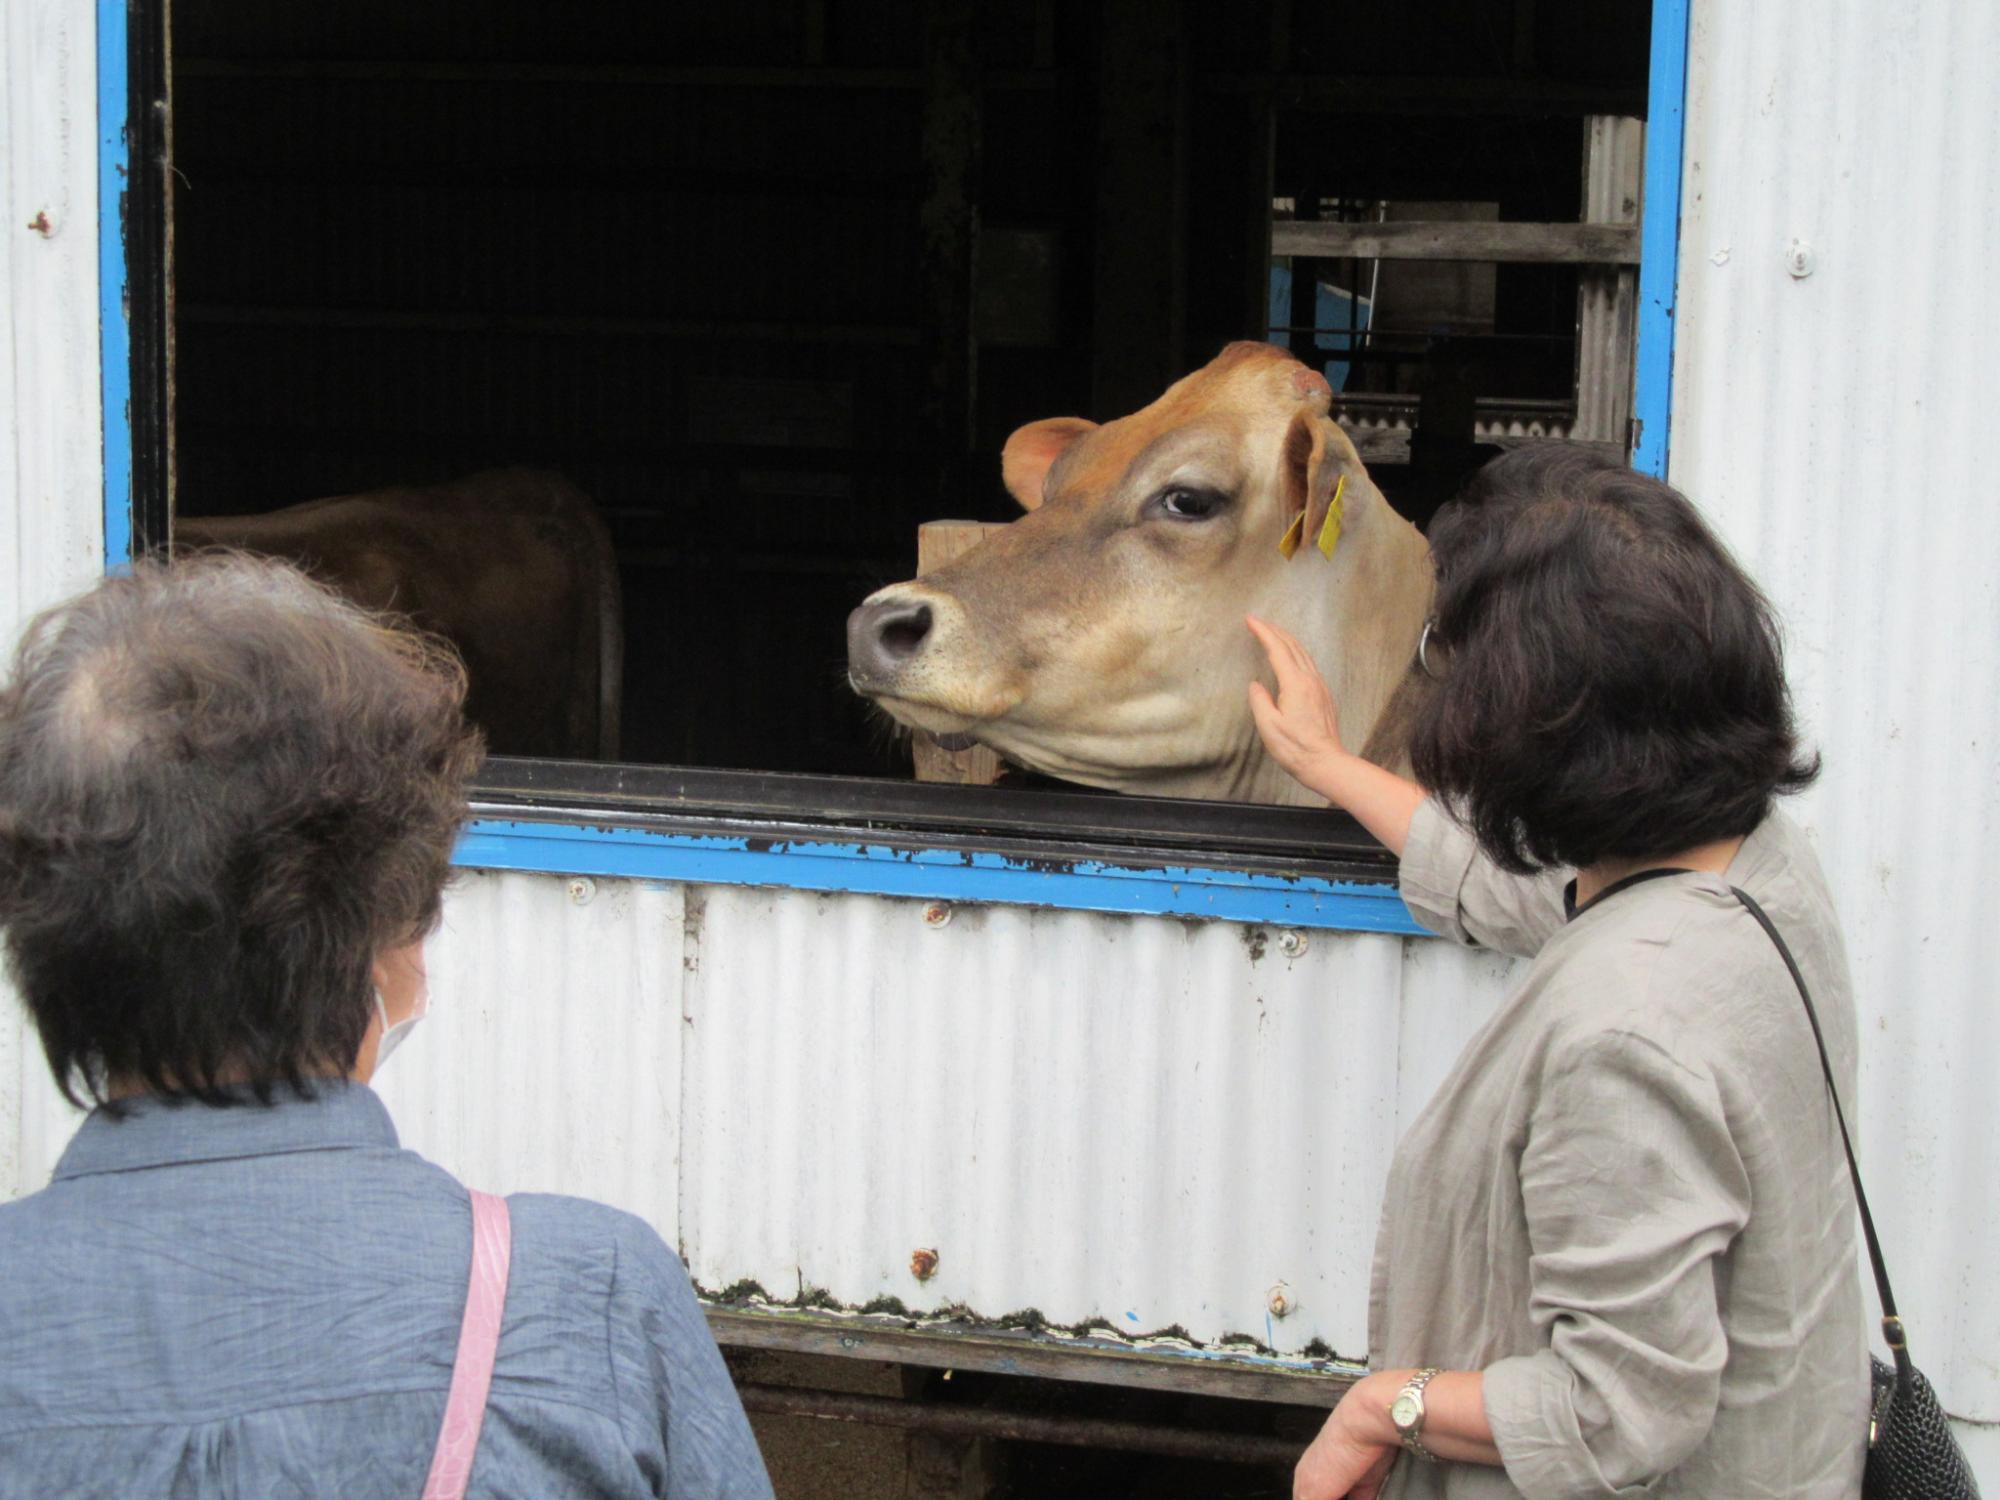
(1448, 884)
(1301, 730)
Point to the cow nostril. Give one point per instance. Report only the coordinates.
(902, 633)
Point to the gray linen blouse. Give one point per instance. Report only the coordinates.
(1627, 1203)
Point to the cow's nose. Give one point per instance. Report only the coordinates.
(883, 635)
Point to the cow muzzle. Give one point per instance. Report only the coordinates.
(883, 637)
(914, 652)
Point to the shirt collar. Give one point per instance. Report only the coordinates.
(1750, 860)
(1571, 911)
(157, 1132)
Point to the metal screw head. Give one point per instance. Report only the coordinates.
(923, 1264)
(1280, 1300)
(1799, 260)
(937, 914)
(581, 889)
(1291, 942)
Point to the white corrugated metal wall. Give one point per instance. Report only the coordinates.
(1830, 421)
(51, 434)
(1141, 1120)
(1839, 426)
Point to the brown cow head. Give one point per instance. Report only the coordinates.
(1100, 637)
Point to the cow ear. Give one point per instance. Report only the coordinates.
(1032, 451)
(1317, 456)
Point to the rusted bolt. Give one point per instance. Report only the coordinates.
(923, 1264)
(1280, 1300)
(581, 889)
(41, 225)
(1291, 943)
(937, 914)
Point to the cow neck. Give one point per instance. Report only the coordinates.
(1365, 640)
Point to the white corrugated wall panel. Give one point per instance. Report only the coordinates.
(1142, 1120)
(51, 431)
(1840, 428)
(550, 1060)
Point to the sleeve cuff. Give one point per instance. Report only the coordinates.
(1436, 858)
(1531, 1408)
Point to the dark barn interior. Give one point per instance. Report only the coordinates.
(772, 281)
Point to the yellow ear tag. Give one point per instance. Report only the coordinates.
(1294, 534)
(1329, 531)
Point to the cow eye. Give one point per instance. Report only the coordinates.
(1185, 504)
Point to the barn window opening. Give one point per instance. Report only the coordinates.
(645, 338)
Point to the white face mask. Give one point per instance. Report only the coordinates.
(392, 1036)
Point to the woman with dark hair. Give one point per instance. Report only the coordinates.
(227, 807)
(1616, 1253)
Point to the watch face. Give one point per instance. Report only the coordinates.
(1403, 1411)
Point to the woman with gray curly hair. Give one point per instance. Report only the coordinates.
(227, 806)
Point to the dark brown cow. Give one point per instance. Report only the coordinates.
(512, 566)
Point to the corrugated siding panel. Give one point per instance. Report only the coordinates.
(1840, 427)
(1141, 1120)
(51, 434)
(550, 1060)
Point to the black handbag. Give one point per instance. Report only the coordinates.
(1912, 1454)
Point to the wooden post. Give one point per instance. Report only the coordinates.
(1229, 166)
(938, 543)
(948, 1468)
(1139, 292)
(937, 1467)
(948, 223)
(1607, 299)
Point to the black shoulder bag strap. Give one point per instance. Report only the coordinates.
(1892, 1325)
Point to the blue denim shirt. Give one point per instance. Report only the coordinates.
(265, 1303)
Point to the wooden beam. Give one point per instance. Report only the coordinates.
(946, 1436)
(890, 335)
(1018, 1353)
(1375, 95)
(939, 543)
(817, 79)
(1545, 244)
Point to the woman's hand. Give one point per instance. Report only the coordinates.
(1301, 726)
(1359, 1445)
(1354, 1450)
(1301, 730)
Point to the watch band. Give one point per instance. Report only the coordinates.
(1412, 1435)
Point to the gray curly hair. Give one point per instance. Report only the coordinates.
(223, 791)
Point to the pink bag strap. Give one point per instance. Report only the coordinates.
(478, 1339)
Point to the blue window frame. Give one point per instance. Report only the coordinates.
(1660, 234)
(665, 842)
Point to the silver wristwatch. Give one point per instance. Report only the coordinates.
(1406, 1414)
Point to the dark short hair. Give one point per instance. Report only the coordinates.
(1613, 685)
(223, 791)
